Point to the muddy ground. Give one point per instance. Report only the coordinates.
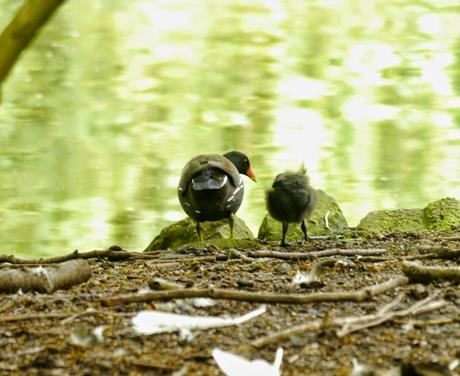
(47, 334)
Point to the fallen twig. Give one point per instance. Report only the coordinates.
(446, 253)
(427, 274)
(67, 316)
(259, 297)
(365, 321)
(114, 253)
(438, 251)
(163, 284)
(315, 254)
(420, 323)
(45, 279)
(419, 257)
(240, 255)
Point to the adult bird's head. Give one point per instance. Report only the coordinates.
(241, 162)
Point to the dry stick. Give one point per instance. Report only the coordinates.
(419, 257)
(425, 305)
(33, 316)
(112, 253)
(315, 254)
(259, 297)
(424, 274)
(446, 253)
(453, 238)
(388, 307)
(249, 255)
(440, 252)
(163, 284)
(45, 279)
(240, 255)
(419, 323)
(109, 254)
(59, 315)
(319, 324)
(118, 254)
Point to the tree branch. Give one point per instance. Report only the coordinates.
(113, 253)
(45, 279)
(315, 254)
(427, 274)
(259, 297)
(22, 29)
(360, 322)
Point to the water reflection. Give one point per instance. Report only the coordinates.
(114, 97)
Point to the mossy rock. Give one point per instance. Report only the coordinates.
(441, 215)
(271, 229)
(383, 221)
(184, 232)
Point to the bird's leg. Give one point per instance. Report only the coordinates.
(283, 238)
(303, 226)
(198, 231)
(230, 224)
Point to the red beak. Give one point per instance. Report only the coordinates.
(250, 174)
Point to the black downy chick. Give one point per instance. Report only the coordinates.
(291, 200)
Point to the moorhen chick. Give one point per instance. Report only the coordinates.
(211, 187)
(291, 200)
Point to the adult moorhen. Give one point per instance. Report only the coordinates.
(211, 187)
(291, 200)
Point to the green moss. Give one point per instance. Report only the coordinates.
(184, 232)
(404, 220)
(442, 215)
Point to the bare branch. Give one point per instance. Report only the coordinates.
(22, 29)
(315, 254)
(427, 274)
(114, 253)
(259, 297)
(67, 316)
(45, 279)
(365, 322)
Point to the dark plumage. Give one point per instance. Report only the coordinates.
(291, 200)
(211, 187)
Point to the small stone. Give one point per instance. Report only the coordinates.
(244, 283)
(283, 268)
(418, 291)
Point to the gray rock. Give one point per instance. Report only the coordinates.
(184, 232)
(383, 221)
(441, 215)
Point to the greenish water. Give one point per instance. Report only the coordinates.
(113, 98)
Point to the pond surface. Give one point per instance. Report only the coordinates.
(114, 97)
